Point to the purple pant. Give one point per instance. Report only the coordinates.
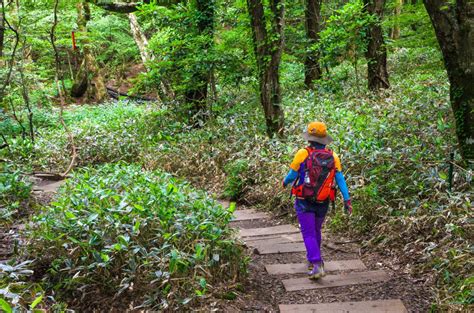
(311, 231)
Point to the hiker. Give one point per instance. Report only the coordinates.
(312, 173)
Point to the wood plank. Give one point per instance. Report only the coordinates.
(50, 187)
(377, 306)
(330, 266)
(247, 215)
(280, 248)
(256, 241)
(344, 279)
(274, 230)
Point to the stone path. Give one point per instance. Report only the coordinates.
(286, 240)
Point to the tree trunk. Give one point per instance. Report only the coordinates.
(268, 49)
(376, 54)
(139, 37)
(164, 90)
(313, 26)
(413, 3)
(89, 74)
(395, 34)
(196, 95)
(454, 27)
(2, 32)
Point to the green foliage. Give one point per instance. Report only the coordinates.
(344, 37)
(15, 192)
(102, 134)
(17, 296)
(237, 173)
(393, 147)
(118, 230)
(185, 52)
(415, 27)
(191, 42)
(112, 41)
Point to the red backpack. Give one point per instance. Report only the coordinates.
(320, 169)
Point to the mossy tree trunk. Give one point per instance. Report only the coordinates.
(313, 26)
(164, 90)
(377, 74)
(196, 95)
(268, 46)
(453, 22)
(89, 79)
(139, 37)
(395, 33)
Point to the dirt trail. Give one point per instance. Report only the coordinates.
(355, 282)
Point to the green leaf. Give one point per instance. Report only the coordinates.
(139, 207)
(124, 240)
(136, 227)
(5, 306)
(104, 257)
(69, 215)
(93, 217)
(232, 207)
(36, 302)
(202, 282)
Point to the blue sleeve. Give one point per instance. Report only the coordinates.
(341, 183)
(290, 177)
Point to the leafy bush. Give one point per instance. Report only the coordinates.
(344, 36)
(17, 295)
(15, 190)
(109, 133)
(236, 173)
(120, 231)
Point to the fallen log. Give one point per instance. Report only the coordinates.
(116, 94)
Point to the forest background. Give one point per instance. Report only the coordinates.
(217, 93)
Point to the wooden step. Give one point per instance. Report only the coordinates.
(280, 238)
(50, 187)
(377, 306)
(280, 248)
(330, 266)
(274, 230)
(291, 238)
(343, 279)
(248, 215)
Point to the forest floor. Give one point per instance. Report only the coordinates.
(266, 292)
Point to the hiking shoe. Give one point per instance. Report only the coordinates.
(310, 266)
(321, 269)
(316, 273)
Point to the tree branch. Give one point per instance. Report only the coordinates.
(126, 6)
(12, 58)
(59, 77)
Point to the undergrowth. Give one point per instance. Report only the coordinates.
(119, 232)
(15, 192)
(394, 148)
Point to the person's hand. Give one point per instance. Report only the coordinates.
(283, 184)
(348, 207)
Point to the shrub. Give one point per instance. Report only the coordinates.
(119, 231)
(15, 190)
(236, 174)
(109, 133)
